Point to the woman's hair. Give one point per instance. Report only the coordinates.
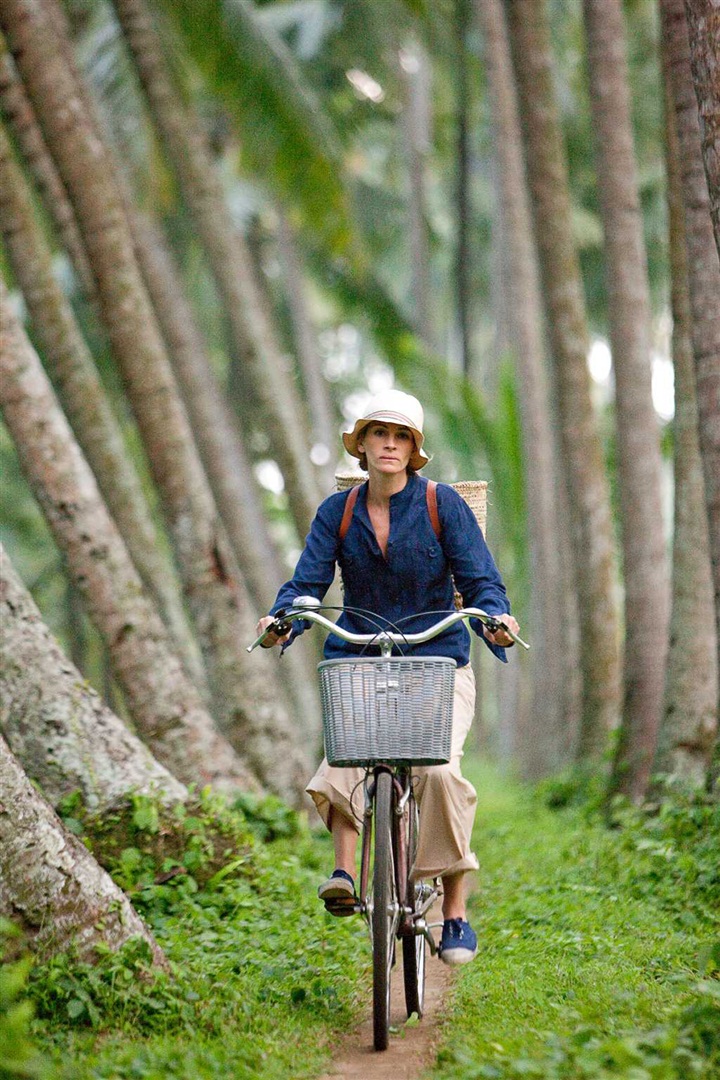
(362, 457)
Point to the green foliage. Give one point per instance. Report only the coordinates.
(19, 1056)
(600, 947)
(675, 851)
(145, 842)
(275, 109)
(259, 975)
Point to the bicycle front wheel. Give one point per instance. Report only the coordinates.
(414, 946)
(384, 910)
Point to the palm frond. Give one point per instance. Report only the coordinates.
(287, 137)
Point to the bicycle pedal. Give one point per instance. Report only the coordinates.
(341, 906)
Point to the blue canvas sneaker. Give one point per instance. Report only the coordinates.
(458, 944)
(338, 893)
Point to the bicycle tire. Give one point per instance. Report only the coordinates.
(384, 913)
(414, 947)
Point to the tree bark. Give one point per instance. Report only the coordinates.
(324, 423)
(77, 383)
(638, 435)
(564, 303)
(542, 748)
(704, 274)
(690, 720)
(415, 67)
(253, 335)
(223, 454)
(163, 703)
(463, 211)
(249, 705)
(214, 426)
(49, 882)
(20, 117)
(703, 20)
(58, 728)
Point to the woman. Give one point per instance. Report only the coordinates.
(393, 564)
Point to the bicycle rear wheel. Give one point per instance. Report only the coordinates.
(414, 947)
(384, 910)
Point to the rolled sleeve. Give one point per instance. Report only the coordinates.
(315, 569)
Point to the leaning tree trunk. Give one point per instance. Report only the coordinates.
(215, 428)
(638, 435)
(78, 385)
(319, 402)
(253, 335)
(463, 211)
(564, 303)
(222, 450)
(21, 118)
(59, 729)
(163, 702)
(703, 19)
(250, 706)
(49, 882)
(704, 273)
(690, 720)
(415, 67)
(541, 748)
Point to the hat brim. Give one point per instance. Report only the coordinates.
(350, 438)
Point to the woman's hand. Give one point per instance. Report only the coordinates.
(500, 637)
(271, 639)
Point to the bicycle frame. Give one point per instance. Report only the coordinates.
(394, 908)
(410, 920)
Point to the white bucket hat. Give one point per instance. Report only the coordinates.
(394, 407)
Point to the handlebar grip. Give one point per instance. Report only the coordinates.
(277, 627)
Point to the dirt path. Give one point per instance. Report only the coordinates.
(412, 1050)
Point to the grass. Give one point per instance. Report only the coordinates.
(261, 979)
(599, 948)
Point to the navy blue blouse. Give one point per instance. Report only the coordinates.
(411, 586)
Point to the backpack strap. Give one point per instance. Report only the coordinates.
(432, 505)
(348, 512)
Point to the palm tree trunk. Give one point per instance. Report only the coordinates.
(638, 435)
(544, 747)
(564, 304)
(49, 882)
(690, 721)
(415, 68)
(704, 268)
(214, 427)
(221, 448)
(20, 118)
(704, 260)
(83, 397)
(323, 420)
(163, 703)
(250, 706)
(703, 20)
(462, 184)
(63, 735)
(253, 335)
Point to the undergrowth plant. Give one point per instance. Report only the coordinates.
(260, 978)
(599, 939)
(19, 1056)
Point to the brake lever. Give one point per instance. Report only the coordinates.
(280, 628)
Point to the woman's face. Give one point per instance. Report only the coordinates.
(388, 447)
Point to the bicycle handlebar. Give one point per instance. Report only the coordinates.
(304, 607)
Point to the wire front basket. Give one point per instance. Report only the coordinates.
(392, 709)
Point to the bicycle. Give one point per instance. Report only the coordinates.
(387, 714)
